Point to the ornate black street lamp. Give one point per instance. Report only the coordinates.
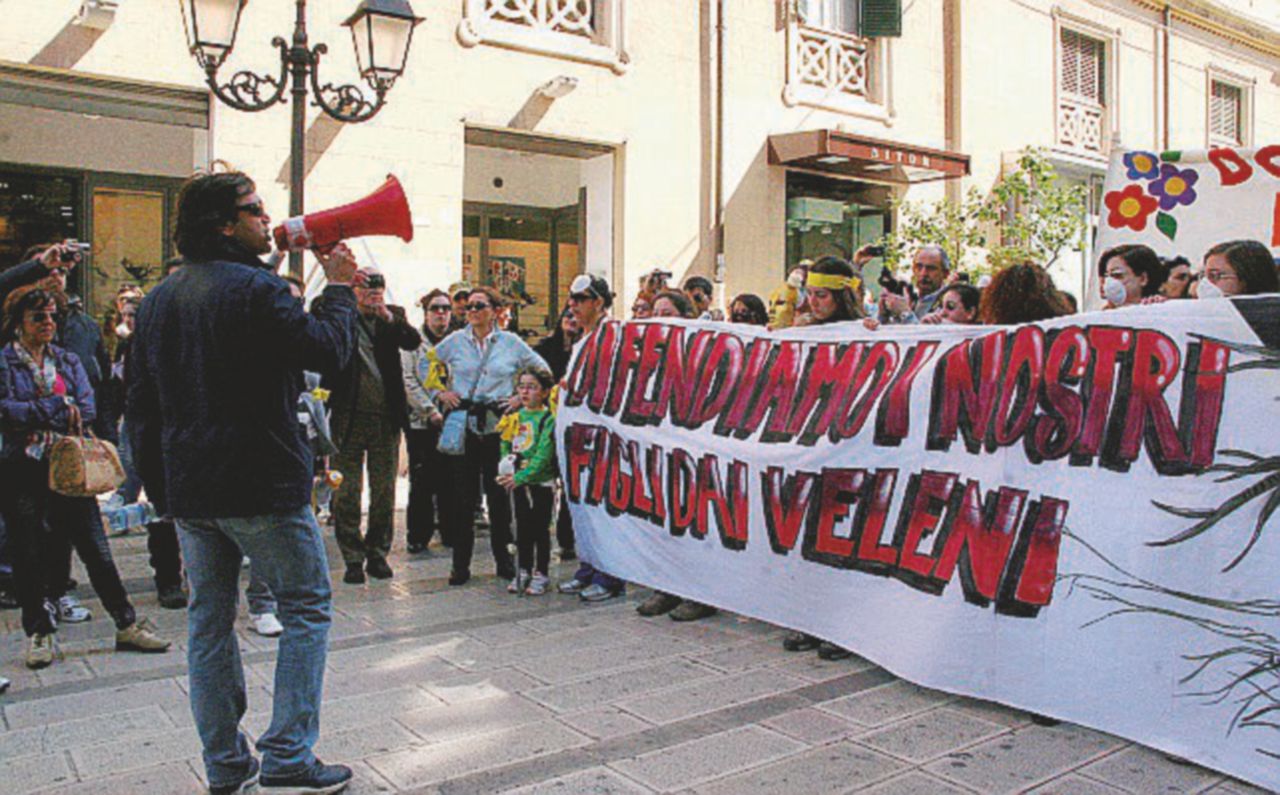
(381, 30)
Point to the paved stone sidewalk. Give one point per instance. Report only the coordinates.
(470, 690)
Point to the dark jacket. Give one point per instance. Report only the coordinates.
(22, 410)
(389, 338)
(553, 352)
(213, 377)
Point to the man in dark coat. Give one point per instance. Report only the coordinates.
(213, 380)
(367, 399)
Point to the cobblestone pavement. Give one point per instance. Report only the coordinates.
(471, 690)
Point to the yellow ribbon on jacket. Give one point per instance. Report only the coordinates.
(830, 281)
(437, 372)
(509, 426)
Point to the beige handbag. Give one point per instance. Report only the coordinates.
(84, 466)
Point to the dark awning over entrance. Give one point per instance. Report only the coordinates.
(841, 153)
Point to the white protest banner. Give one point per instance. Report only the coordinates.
(1075, 517)
(1185, 202)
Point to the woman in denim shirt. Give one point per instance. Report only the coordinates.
(483, 362)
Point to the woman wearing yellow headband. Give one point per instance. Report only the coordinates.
(835, 292)
(835, 295)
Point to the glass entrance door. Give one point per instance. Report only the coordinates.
(529, 254)
(835, 217)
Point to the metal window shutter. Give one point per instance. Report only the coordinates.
(1082, 65)
(880, 18)
(1225, 102)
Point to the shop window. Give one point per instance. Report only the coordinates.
(582, 30)
(528, 254)
(123, 218)
(128, 242)
(834, 217)
(36, 209)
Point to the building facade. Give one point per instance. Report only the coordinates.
(537, 139)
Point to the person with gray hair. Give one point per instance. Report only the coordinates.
(930, 268)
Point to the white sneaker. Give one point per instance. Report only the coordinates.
(538, 585)
(518, 583)
(70, 611)
(266, 625)
(598, 593)
(573, 586)
(4, 684)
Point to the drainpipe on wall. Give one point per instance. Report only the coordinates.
(719, 275)
(952, 117)
(1164, 47)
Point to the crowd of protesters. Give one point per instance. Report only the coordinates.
(473, 402)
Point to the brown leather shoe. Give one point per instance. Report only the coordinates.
(692, 611)
(140, 636)
(657, 604)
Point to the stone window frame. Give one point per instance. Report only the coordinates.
(1111, 39)
(877, 105)
(1245, 85)
(606, 48)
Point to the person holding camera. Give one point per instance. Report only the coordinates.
(899, 302)
(368, 413)
(483, 361)
(45, 395)
(51, 266)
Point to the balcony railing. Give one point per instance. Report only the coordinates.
(1082, 126)
(832, 61)
(574, 17)
(582, 30)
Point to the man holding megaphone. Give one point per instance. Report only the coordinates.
(214, 376)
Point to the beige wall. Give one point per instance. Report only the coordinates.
(658, 112)
(1006, 109)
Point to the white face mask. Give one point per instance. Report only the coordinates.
(1114, 291)
(1208, 289)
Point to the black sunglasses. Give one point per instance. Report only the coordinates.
(41, 317)
(478, 307)
(442, 308)
(256, 209)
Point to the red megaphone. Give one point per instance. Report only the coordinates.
(383, 212)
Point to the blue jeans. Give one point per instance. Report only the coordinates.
(288, 551)
(593, 576)
(258, 593)
(131, 488)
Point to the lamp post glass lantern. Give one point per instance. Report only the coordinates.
(382, 31)
(211, 27)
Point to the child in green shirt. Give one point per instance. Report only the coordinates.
(528, 437)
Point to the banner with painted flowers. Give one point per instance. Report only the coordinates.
(1184, 202)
